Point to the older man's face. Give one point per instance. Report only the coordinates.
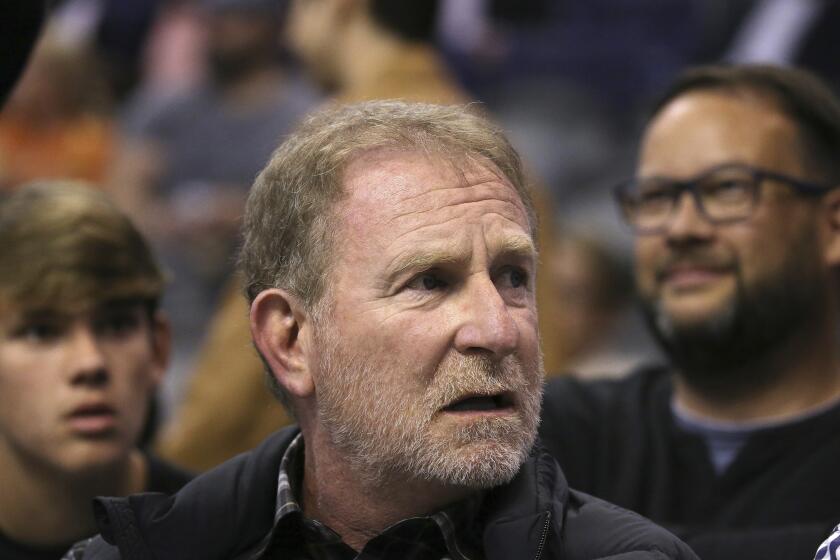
(429, 363)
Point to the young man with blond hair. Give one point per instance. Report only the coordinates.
(82, 349)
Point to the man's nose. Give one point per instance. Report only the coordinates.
(486, 324)
(85, 357)
(688, 222)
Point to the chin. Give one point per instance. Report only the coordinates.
(91, 458)
(479, 455)
(689, 314)
(483, 466)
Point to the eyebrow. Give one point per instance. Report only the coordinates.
(422, 260)
(42, 315)
(520, 247)
(57, 314)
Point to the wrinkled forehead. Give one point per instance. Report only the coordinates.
(391, 183)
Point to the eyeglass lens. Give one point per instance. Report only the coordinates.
(723, 195)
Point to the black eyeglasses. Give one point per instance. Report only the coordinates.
(723, 194)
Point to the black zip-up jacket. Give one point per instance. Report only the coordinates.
(226, 513)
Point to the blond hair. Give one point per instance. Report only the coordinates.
(67, 247)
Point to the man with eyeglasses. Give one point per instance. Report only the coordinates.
(735, 445)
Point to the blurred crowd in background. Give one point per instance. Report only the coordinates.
(173, 106)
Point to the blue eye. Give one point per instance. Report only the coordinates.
(518, 278)
(427, 281)
(513, 277)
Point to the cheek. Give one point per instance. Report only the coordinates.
(28, 400)
(26, 377)
(420, 343)
(412, 347)
(757, 252)
(133, 368)
(527, 324)
(646, 254)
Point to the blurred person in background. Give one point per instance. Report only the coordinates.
(185, 164)
(593, 289)
(733, 445)
(57, 122)
(356, 50)
(116, 30)
(20, 27)
(372, 49)
(784, 32)
(82, 349)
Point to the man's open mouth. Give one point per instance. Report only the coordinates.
(481, 403)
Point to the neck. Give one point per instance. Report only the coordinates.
(356, 508)
(41, 506)
(804, 374)
(382, 51)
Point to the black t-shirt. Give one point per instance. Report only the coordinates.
(163, 477)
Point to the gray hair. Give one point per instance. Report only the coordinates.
(287, 237)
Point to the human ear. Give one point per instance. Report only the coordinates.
(831, 225)
(279, 324)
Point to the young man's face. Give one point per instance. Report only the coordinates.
(75, 389)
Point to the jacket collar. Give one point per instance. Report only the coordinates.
(231, 509)
(525, 514)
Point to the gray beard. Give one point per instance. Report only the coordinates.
(384, 434)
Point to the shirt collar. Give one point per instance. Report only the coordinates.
(459, 524)
(287, 479)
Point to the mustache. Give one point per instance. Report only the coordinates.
(694, 258)
(461, 375)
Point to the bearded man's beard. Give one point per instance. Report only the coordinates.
(718, 356)
(388, 433)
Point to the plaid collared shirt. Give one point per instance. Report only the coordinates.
(451, 534)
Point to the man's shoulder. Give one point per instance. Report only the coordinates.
(537, 515)
(218, 512)
(596, 529)
(589, 425)
(165, 477)
(568, 397)
(94, 548)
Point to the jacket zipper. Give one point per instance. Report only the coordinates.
(544, 536)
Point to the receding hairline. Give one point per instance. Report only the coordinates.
(462, 163)
(521, 246)
(745, 93)
(795, 95)
(326, 144)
